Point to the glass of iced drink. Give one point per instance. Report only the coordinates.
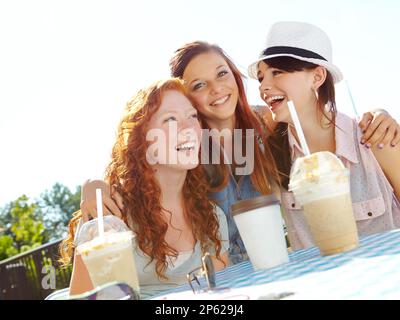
(110, 257)
(320, 182)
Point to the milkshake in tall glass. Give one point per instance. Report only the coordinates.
(320, 183)
(110, 258)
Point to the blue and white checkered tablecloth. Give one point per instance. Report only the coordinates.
(371, 271)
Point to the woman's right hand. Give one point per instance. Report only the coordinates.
(112, 203)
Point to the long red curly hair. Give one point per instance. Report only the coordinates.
(133, 178)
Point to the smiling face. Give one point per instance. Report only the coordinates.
(278, 86)
(178, 132)
(212, 86)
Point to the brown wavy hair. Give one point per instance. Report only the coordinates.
(265, 172)
(278, 141)
(133, 177)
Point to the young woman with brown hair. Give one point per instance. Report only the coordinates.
(297, 65)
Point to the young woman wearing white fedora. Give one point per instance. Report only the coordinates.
(296, 65)
(216, 86)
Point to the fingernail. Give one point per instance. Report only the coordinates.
(368, 122)
(380, 146)
(362, 141)
(368, 145)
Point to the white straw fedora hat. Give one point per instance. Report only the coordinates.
(301, 41)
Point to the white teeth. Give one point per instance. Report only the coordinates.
(220, 101)
(186, 146)
(273, 98)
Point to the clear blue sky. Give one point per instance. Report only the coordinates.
(68, 67)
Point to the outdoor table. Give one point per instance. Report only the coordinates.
(371, 271)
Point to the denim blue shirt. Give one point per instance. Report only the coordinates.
(233, 192)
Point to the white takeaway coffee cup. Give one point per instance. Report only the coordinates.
(260, 225)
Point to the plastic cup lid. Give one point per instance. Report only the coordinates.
(254, 203)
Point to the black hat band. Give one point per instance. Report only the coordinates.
(291, 50)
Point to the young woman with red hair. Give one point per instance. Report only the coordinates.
(165, 202)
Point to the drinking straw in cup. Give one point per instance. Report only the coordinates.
(299, 130)
(100, 219)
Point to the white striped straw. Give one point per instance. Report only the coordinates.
(100, 219)
(352, 100)
(299, 130)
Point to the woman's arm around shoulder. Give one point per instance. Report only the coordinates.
(389, 160)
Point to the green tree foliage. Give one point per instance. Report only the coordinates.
(5, 220)
(7, 248)
(57, 206)
(25, 225)
(22, 227)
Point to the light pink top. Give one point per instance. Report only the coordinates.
(375, 205)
